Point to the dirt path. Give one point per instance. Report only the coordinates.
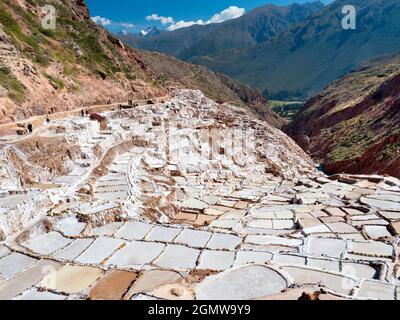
(39, 122)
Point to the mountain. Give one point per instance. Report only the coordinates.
(257, 26)
(353, 126)
(172, 43)
(79, 63)
(143, 34)
(252, 28)
(305, 58)
(150, 32)
(173, 74)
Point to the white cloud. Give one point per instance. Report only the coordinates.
(163, 20)
(232, 12)
(127, 25)
(104, 22)
(184, 24)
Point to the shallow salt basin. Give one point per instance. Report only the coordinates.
(112, 177)
(113, 188)
(111, 196)
(14, 200)
(68, 180)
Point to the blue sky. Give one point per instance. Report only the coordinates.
(130, 15)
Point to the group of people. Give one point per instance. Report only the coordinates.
(83, 113)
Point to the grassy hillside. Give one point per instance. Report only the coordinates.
(252, 28)
(354, 124)
(305, 58)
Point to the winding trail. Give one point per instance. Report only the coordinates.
(40, 120)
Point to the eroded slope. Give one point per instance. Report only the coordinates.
(354, 124)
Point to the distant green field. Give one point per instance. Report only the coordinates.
(286, 109)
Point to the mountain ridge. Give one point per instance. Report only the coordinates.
(305, 58)
(254, 27)
(80, 63)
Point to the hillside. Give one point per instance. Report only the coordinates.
(217, 86)
(80, 63)
(304, 59)
(252, 28)
(354, 124)
(171, 43)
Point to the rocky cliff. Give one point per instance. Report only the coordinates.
(353, 126)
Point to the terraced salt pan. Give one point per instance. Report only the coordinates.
(371, 248)
(244, 283)
(71, 279)
(193, 238)
(336, 282)
(216, 260)
(134, 230)
(48, 243)
(70, 227)
(377, 290)
(179, 257)
(234, 214)
(112, 196)
(221, 241)
(14, 263)
(136, 254)
(74, 250)
(252, 257)
(36, 295)
(107, 230)
(101, 249)
(289, 259)
(334, 248)
(164, 234)
(12, 201)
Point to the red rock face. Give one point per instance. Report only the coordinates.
(80, 8)
(369, 162)
(353, 126)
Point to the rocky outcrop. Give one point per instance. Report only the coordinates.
(353, 126)
(80, 9)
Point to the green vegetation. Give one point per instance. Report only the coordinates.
(41, 45)
(350, 138)
(70, 71)
(13, 29)
(16, 91)
(339, 154)
(309, 56)
(55, 82)
(250, 29)
(389, 151)
(94, 54)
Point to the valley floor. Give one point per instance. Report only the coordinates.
(188, 199)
